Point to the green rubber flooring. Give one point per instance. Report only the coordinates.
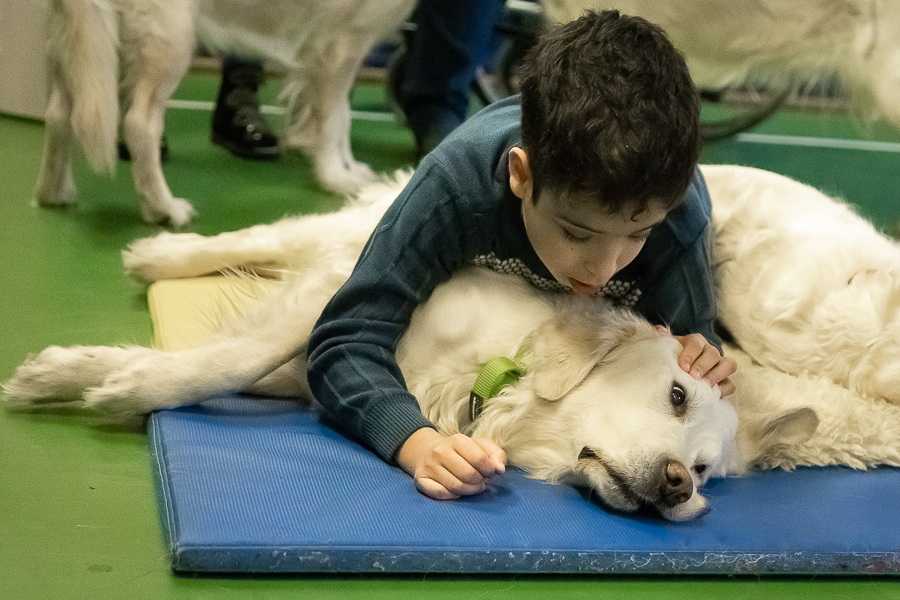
(78, 515)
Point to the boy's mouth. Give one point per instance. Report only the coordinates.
(580, 288)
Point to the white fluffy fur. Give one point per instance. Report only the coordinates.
(595, 410)
(806, 285)
(132, 53)
(730, 41)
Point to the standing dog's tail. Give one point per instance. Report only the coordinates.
(87, 39)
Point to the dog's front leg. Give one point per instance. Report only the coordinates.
(319, 109)
(161, 65)
(56, 186)
(175, 255)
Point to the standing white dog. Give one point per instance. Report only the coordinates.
(107, 54)
(729, 41)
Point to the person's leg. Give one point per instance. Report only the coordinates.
(237, 123)
(432, 81)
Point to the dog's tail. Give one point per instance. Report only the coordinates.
(88, 38)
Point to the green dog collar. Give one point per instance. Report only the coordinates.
(496, 374)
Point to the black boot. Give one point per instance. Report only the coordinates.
(237, 123)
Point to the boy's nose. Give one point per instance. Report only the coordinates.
(601, 271)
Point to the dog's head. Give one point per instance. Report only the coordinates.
(617, 414)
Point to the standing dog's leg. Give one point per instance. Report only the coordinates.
(157, 66)
(318, 105)
(56, 186)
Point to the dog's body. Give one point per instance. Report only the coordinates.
(110, 53)
(806, 284)
(775, 41)
(600, 381)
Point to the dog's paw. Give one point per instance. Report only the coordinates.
(344, 178)
(62, 199)
(139, 388)
(63, 374)
(165, 256)
(176, 212)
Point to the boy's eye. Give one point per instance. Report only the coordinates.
(642, 237)
(572, 237)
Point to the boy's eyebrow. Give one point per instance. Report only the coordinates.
(586, 228)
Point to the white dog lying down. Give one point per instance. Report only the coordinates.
(604, 403)
(728, 41)
(106, 52)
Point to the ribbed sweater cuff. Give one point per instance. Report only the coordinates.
(390, 422)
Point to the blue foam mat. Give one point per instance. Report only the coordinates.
(261, 486)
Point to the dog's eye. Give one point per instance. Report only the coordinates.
(677, 395)
(699, 469)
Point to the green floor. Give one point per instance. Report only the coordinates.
(78, 515)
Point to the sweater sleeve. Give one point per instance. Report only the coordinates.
(353, 372)
(682, 293)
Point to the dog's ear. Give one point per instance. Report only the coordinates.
(569, 346)
(762, 437)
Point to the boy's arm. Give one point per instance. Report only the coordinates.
(353, 371)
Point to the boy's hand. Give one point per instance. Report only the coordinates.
(449, 467)
(701, 360)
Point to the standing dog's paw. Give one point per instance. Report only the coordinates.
(342, 177)
(177, 212)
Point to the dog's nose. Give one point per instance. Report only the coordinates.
(677, 486)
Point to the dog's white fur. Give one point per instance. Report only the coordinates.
(595, 410)
(115, 63)
(728, 41)
(811, 292)
(807, 284)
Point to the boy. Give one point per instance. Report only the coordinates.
(588, 187)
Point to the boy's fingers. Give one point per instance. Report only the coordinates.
(477, 456)
(442, 484)
(494, 452)
(727, 387)
(433, 489)
(458, 464)
(724, 368)
(692, 347)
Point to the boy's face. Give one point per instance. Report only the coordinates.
(583, 247)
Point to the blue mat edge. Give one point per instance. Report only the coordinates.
(308, 560)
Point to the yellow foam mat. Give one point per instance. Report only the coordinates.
(186, 311)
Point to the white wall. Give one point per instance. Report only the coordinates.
(23, 69)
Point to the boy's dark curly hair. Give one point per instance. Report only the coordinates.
(609, 111)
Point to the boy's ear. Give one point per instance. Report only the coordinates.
(520, 180)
